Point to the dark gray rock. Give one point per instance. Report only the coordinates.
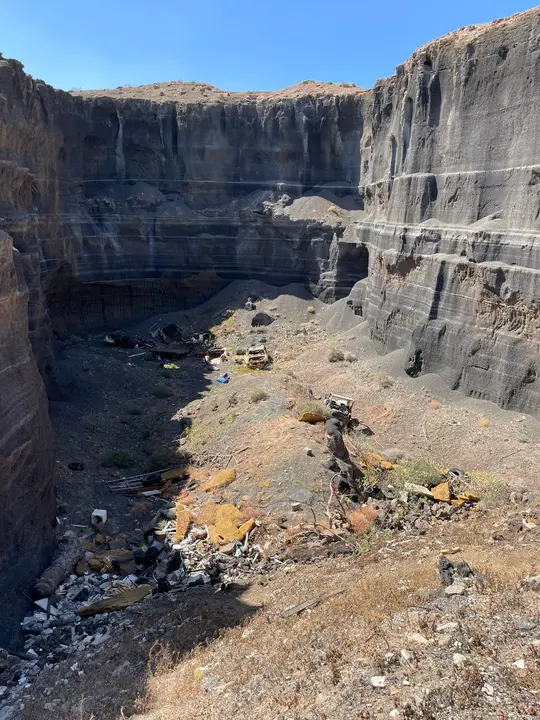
(261, 318)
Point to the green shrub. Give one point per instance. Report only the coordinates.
(163, 391)
(118, 459)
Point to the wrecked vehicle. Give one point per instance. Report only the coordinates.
(340, 407)
(174, 351)
(203, 338)
(256, 357)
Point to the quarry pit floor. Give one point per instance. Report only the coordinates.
(115, 403)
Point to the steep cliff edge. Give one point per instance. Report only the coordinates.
(419, 197)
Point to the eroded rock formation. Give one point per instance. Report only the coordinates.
(420, 197)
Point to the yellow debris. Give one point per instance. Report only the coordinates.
(441, 492)
(117, 602)
(374, 461)
(219, 479)
(311, 309)
(464, 498)
(228, 525)
(183, 521)
(311, 418)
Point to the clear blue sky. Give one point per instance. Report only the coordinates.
(234, 44)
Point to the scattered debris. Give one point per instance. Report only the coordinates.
(340, 407)
(67, 555)
(116, 602)
(99, 518)
(312, 602)
(171, 352)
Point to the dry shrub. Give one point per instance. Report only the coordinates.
(493, 491)
(336, 355)
(350, 357)
(483, 422)
(362, 519)
(315, 407)
(119, 459)
(139, 508)
(257, 395)
(385, 380)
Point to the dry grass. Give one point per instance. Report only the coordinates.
(332, 637)
(263, 671)
(483, 422)
(336, 355)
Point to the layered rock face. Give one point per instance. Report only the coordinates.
(26, 450)
(420, 198)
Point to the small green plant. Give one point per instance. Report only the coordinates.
(118, 459)
(493, 491)
(162, 458)
(257, 395)
(420, 472)
(336, 355)
(163, 391)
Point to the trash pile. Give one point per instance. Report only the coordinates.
(91, 578)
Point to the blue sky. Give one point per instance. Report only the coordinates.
(233, 44)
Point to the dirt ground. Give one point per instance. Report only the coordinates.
(230, 654)
(194, 92)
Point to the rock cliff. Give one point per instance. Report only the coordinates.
(420, 198)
